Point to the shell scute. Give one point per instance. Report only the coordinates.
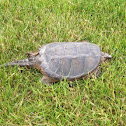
(54, 64)
(64, 67)
(77, 66)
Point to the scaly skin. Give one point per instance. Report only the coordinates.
(31, 61)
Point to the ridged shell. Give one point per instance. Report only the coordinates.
(69, 59)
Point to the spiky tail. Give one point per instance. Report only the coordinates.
(23, 62)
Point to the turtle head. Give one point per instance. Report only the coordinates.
(105, 56)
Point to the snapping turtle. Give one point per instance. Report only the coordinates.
(70, 60)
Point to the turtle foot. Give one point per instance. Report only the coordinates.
(46, 80)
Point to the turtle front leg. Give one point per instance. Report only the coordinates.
(96, 73)
(47, 80)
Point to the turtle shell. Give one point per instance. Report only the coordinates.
(69, 60)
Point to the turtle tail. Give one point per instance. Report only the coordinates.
(23, 62)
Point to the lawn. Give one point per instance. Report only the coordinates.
(27, 25)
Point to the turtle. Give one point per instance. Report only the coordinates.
(65, 60)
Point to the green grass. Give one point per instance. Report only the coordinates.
(27, 25)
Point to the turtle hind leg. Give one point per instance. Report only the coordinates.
(47, 80)
(30, 54)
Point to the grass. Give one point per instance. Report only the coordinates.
(26, 26)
